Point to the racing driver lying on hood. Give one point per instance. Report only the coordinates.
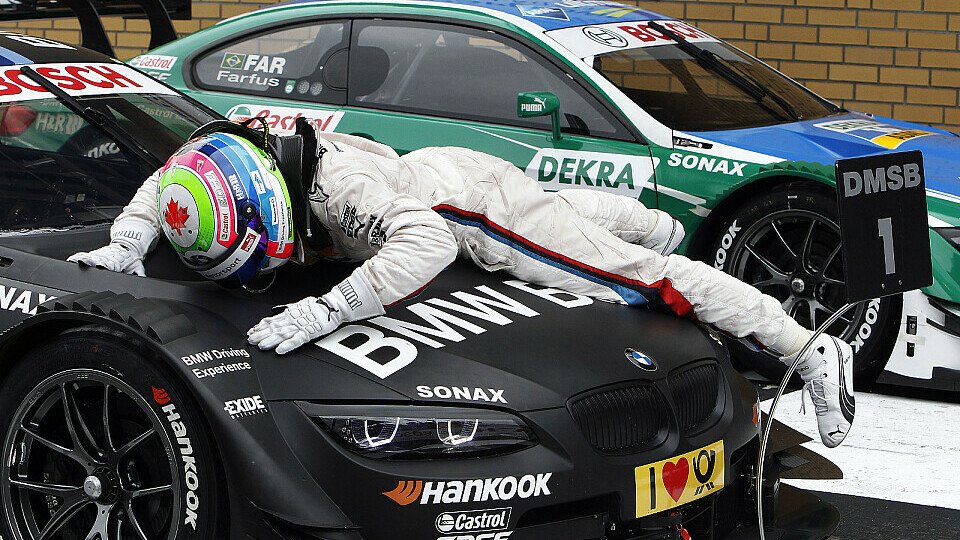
(408, 217)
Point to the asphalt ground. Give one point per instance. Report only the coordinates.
(900, 464)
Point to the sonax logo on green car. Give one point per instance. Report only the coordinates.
(649, 107)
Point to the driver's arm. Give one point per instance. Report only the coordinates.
(133, 234)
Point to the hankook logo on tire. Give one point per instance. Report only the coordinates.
(191, 477)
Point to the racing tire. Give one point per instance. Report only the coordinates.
(100, 442)
(786, 242)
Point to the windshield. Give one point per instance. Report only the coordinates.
(58, 171)
(675, 89)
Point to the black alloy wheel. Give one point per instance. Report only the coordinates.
(91, 450)
(787, 244)
(88, 459)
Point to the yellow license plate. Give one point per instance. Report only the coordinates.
(676, 481)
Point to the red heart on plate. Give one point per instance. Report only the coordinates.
(675, 477)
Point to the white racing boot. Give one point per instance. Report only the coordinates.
(827, 371)
(665, 233)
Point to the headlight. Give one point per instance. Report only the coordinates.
(952, 234)
(419, 433)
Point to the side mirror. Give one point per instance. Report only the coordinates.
(531, 104)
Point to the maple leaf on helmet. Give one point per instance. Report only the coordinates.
(176, 216)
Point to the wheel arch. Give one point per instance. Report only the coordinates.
(769, 177)
(167, 331)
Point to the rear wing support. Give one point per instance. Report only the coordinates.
(160, 14)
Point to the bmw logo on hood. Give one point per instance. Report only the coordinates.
(640, 360)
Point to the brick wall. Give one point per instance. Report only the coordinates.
(895, 58)
(890, 57)
(131, 36)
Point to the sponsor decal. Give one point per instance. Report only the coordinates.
(160, 396)
(213, 354)
(349, 221)
(866, 328)
(154, 62)
(282, 120)
(350, 295)
(191, 478)
(539, 105)
(543, 12)
(892, 178)
(720, 259)
(505, 488)
(604, 38)
(58, 123)
(288, 88)
(617, 173)
(78, 80)
(244, 407)
(880, 134)
(472, 521)
(489, 395)
(222, 369)
(679, 480)
(440, 324)
(640, 360)
(376, 236)
(482, 536)
(104, 149)
(706, 163)
(25, 301)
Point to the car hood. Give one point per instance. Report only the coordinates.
(826, 140)
(458, 343)
(470, 337)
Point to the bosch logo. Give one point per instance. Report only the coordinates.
(605, 37)
(640, 360)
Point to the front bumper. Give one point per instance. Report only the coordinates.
(927, 351)
(592, 496)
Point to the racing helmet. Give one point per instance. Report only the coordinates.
(224, 206)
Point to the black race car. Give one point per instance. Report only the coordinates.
(484, 409)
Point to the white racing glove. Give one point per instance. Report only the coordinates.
(130, 240)
(302, 322)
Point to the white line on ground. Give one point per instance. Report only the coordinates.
(899, 449)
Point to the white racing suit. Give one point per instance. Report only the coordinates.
(407, 218)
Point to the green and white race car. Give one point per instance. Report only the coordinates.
(649, 107)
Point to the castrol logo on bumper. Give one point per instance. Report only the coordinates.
(77, 80)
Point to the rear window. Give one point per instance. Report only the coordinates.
(676, 90)
(58, 171)
(306, 62)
